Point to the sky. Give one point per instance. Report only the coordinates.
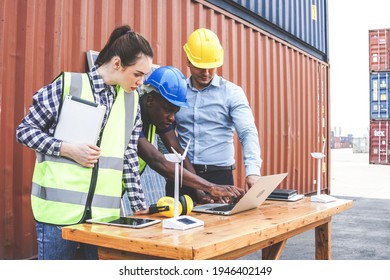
(349, 23)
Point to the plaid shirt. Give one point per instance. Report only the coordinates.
(37, 129)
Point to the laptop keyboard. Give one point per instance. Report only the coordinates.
(226, 207)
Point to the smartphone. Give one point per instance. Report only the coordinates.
(129, 222)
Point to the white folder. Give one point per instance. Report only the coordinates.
(80, 121)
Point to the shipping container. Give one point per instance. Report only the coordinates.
(379, 95)
(340, 145)
(287, 88)
(341, 142)
(347, 139)
(360, 145)
(302, 23)
(379, 142)
(332, 139)
(379, 50)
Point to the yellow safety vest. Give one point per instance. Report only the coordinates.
(64, 191)
(151, 137)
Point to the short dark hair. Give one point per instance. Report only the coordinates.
(127, 44)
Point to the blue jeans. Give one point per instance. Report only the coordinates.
(51, 246)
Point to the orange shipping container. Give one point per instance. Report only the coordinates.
(288, 89)
(379, 48)
(380, 142)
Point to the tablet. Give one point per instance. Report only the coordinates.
(130, 222)
(80, 121)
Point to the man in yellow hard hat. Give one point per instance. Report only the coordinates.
(217, 108)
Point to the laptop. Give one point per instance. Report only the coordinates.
(255, 196)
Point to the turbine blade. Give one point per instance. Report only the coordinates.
(323, 146)
(181, 175)
(176, 153)
(186, 149)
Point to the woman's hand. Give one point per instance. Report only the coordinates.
(85, 154)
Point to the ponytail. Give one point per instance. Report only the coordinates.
(127, 44)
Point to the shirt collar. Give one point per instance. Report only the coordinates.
(97, 81)
(215, 82)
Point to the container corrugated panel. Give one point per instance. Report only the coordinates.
(288, 89)
(306, 20)
(379, 95)
(380, 142)
(379, 49)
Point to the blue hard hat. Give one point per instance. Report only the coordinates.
(171, 84)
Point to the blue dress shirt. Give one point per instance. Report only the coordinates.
(213, 116)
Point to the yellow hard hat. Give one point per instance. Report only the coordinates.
(203, 49)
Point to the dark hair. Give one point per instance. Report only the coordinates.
(125, 43)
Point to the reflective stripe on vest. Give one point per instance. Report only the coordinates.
(151, 137)
(61, 186)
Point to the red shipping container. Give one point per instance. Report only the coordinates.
(379, 47)
(273, 73)
(379, 142)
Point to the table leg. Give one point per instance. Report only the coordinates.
(323, 241)
(273, 252)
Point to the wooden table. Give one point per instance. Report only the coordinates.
(223, 237)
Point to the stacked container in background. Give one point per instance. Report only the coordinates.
(379, 52)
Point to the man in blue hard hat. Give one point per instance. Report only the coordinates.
(163, 93)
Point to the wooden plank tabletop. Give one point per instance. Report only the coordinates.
(220, 237)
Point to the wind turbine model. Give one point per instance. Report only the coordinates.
(320, 197)
(179, 222)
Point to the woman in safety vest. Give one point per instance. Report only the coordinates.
(76, 181)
